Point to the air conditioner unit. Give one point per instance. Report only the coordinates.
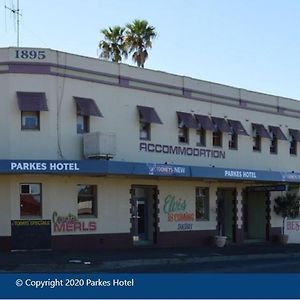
(99, 145)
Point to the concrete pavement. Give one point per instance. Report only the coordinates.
(114, 260)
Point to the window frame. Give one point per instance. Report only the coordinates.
(93, 195)
(256, 142)
(32, 113)
(85, 123)
(202, 137)
(145, 127)
(233, 141)
(219, 137)
(273, 144)
(204, 198)
(294, 142)
(183, 133)
(39, 195)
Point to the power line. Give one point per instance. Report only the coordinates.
(16, 13)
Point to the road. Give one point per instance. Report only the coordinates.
(290, 265)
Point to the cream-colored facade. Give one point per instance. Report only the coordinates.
(117, 90)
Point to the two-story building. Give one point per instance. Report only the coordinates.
(96, 154)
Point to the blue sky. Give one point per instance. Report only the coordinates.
(251, 44)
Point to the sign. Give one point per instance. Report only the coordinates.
(71, 223)
(44, 166)
(33, 54)
(31, 234)
(176, 211)
(292, 229)
(269, 188)
(182, 150)
(239, 174)
(166, 170)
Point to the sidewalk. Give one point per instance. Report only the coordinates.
(108, 260)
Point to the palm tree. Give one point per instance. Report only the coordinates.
(138, 38)
(112, 46)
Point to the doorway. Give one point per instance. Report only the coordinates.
(144, 217)
(226, 213)
(255, 215)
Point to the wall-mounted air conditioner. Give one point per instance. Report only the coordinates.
(99, 145)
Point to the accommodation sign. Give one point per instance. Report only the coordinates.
(181, 150)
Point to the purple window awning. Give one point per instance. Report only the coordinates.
(87, 107)
(295, 133)
(261, 130)
(221, 124)
(237, 127)
(149, 115)
(205, 122)
(187, 120)
(277, 132)
(32, 101)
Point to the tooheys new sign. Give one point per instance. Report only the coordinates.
(70, 223)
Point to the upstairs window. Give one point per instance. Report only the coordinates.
(30, 200)
(30, 105)
(183, 134)
(259, 132)
(145, 130)
(256, 140)
(30, 120)
(202, 137)
(294, 138)
(185, 121)
(233, 141)
(85, 108)
(273, 144)
(217, 138)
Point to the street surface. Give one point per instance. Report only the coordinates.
(290, 265)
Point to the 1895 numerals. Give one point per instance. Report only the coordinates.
(31, 54)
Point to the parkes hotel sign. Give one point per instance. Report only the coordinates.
(182, 150)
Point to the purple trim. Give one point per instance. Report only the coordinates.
(278, 133)
(187, 119)
(187, 93)
(123, 81)
(29, 68)
(261, 130)
(45, 69)
(237, 127)
(295, 133)
(205, 122)
(221, 124)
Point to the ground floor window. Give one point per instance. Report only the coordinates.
(87, 200)
(30, 200)
(202, 203)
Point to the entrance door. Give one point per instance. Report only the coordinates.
(226, 208)
(255, 215)
(144, 214)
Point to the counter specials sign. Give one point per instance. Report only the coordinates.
(31, 234)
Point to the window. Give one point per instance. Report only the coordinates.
(202, 204)
(30, 200)
(30, 120)
(87, 200)
(256, 142)
(83, 124)
(293, 145)
(217, 138)
(145, 129)
(202, 137)
(233, 141)
(274, 143)
(183, 133)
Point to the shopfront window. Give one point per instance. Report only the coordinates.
(202, 204)
(87, 200)
(30, 200)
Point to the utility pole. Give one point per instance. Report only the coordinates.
(16, 13)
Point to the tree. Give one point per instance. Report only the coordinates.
(138, 38)
(113, 47)
(287, 206)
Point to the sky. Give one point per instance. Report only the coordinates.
(250, 44)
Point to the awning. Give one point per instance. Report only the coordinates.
(149, 114)
(221, 124)
(31, 101)
(278, 133)
(205, 122)
(261, 130)
(187, 119)
(295, 133)
(87, 107)
(237, 127)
